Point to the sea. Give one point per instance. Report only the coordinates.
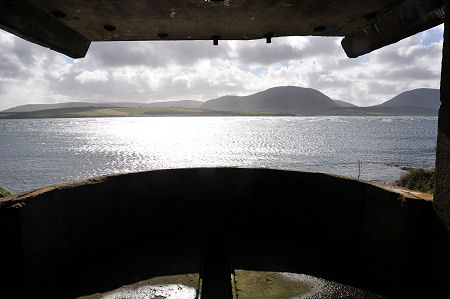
(39, 152)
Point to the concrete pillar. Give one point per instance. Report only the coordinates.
(442, 183)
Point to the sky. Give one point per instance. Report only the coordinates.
(197, 70)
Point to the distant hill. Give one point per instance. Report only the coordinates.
(283, 99)
(344, 104)
(308, 101)
(381, 111)
(421, 97)
(38, 107)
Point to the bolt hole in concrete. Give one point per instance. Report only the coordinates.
(371, 16)
(58, 14)
(320, 28)
(245, 285)
(109, 27)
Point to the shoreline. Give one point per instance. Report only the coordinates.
(93, 112)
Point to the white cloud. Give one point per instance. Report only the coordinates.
(155, 71)
(92, 76)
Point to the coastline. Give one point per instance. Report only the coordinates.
(94, 112)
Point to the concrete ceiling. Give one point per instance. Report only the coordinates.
(69, 26)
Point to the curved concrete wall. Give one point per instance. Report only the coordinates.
(94, 235)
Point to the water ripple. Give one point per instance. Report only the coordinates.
(38, 152)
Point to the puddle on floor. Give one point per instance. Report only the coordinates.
(167, 287)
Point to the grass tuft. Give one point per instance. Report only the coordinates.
(4, 192)
(418, 179)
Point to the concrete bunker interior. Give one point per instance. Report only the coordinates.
(73, 239)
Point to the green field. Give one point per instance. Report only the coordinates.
(125, 112)
(174, 111)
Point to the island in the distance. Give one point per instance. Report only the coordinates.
(277, 101)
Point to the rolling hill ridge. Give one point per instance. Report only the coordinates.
(421, 97)
(290, 99)
(283, 100)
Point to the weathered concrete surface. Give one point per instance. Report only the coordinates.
(442, 184)
(405, 20)
(35, 25)
(43, 21)
(96, 235)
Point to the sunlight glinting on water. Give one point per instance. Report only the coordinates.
(40, 152)
(184, 142)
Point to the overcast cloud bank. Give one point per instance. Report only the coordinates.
(197, 70)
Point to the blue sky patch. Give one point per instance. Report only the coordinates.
(255, 71)
(67, 58)
(432, 35)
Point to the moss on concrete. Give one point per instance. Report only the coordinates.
(261, 284)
